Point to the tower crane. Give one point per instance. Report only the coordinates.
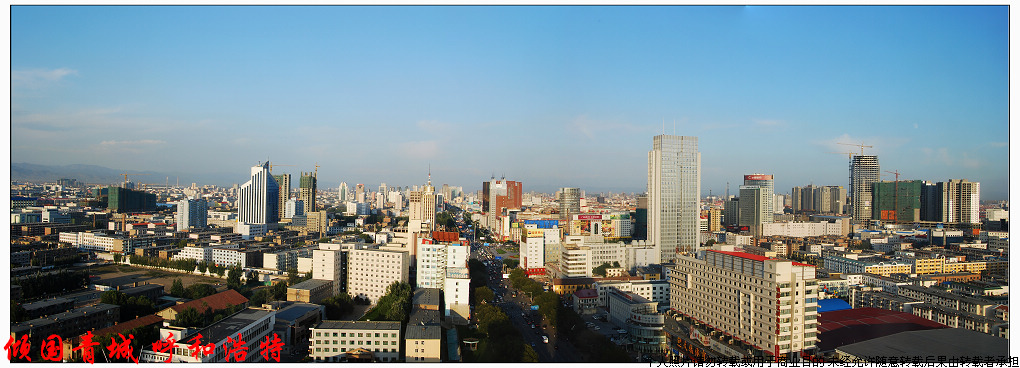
(862, 146)
(272, 165)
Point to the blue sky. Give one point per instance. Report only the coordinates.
(552, 96)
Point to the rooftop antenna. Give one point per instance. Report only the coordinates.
(674, 126)
(430, 173)
(663, 126)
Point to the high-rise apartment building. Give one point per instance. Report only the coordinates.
(257, 202)
(674, 189)
(370, 271)
(896, 201)
(864, 171)
(818, 199)
(328, 264)
(293, 208)
(422, 205)
(442, 264)
(309, 186)
(570, 202)
(359, 193)
(959, 201)
(768, 303)
(499, 196)
(283, 180)
(192, 213)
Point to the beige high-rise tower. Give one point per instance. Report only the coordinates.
(674, 189)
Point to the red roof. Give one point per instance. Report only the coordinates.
(848, 326)
(802, 264)
(586, 293)
(445, 236)
(216, 302)
(750, 256)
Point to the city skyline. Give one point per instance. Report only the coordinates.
(556, 96)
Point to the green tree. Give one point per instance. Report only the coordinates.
(710, 242)
(279, 291)
(116, 258)
(177, 290)
(338, 306)
(511, 263)
(202, 267)
(259, 297)
(483, 294)
(601, 269)
(234, 278)
(198, 291)
(189, 317)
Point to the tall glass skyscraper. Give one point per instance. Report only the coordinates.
(863, 172)
(674, 188)
(570, 202)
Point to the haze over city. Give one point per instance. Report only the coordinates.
(553, 97)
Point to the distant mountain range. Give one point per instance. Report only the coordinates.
(90, 174)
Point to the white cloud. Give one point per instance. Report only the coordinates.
(769, 123)
(942, 156)
(420, 149)
(998, 144)
(37, 78)
(133, 143)
(435, 126)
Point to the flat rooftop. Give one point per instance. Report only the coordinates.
(310, 284)
(230, 326)
(848, 326)
(946, 342)
(359, 325)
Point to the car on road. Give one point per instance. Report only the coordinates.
(545, 339)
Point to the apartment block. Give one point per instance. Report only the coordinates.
(770, 304)
(341, 341)
(370, 271)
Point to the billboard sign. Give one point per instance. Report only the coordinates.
(589, 217)
(757, 177)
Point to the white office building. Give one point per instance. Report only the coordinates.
(674, 190)
(257, 203)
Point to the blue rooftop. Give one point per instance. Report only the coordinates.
(833, 304)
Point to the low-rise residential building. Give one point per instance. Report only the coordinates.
(251, 326)
(979, 306)
(586, 301)
(883, 300)
(310, 291)
(71, 323)
(959, 319)
(340, 341)
(653, 290)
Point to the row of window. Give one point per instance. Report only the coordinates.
(360, 334)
